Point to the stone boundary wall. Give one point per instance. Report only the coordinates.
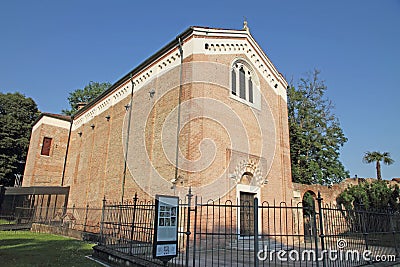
(329, 193)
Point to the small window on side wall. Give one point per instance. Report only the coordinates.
(46, 146)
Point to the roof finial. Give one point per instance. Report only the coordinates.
(245, 27)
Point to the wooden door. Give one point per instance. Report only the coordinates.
(246, 214)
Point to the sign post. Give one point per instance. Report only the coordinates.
(165, 243)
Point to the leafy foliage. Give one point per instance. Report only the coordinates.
(377, 157)
(17, 113)
(308, 203)
(85, 95)
(377, 195)
(315, 134)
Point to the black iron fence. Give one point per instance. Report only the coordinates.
(249, 233)
(365, 235)
(129, 228)
(232, 233)
(83, 219)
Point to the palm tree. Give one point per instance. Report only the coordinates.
(376, 156)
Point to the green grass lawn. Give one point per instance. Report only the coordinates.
(24, 248)
(3, 221)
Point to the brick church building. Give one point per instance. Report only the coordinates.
(207, 111)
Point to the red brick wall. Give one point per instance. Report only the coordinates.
(95, 165)
(46, 170)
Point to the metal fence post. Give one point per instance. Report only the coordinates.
(314, 229)
(189, 196)
(135, 199)
(102, 221)
(362, 222)
(321, 225)
(391, 214)
(64, 212)
(256, 248)
(194, 231)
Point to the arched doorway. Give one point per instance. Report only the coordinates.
(308, 202)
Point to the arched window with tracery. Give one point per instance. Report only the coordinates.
(244, 83)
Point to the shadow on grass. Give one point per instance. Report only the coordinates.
(31, 249)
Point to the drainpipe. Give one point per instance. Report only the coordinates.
(66, 151)
(179, 111)
(127, 142)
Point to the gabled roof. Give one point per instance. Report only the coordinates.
(53, 115)
(136, 70)
(193, 30)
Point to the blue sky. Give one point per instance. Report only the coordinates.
(50, 48)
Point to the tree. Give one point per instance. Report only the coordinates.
(85, 95)
(315, 134)
(377, 195)
(376, 156)
(308, 203)
(17, 113)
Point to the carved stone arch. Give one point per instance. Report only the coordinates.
(247, 178)
(248, 172)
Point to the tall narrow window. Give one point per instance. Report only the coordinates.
(233, 82)
(46, 146)
(250, 91)
(245, 84)
(242, 83)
